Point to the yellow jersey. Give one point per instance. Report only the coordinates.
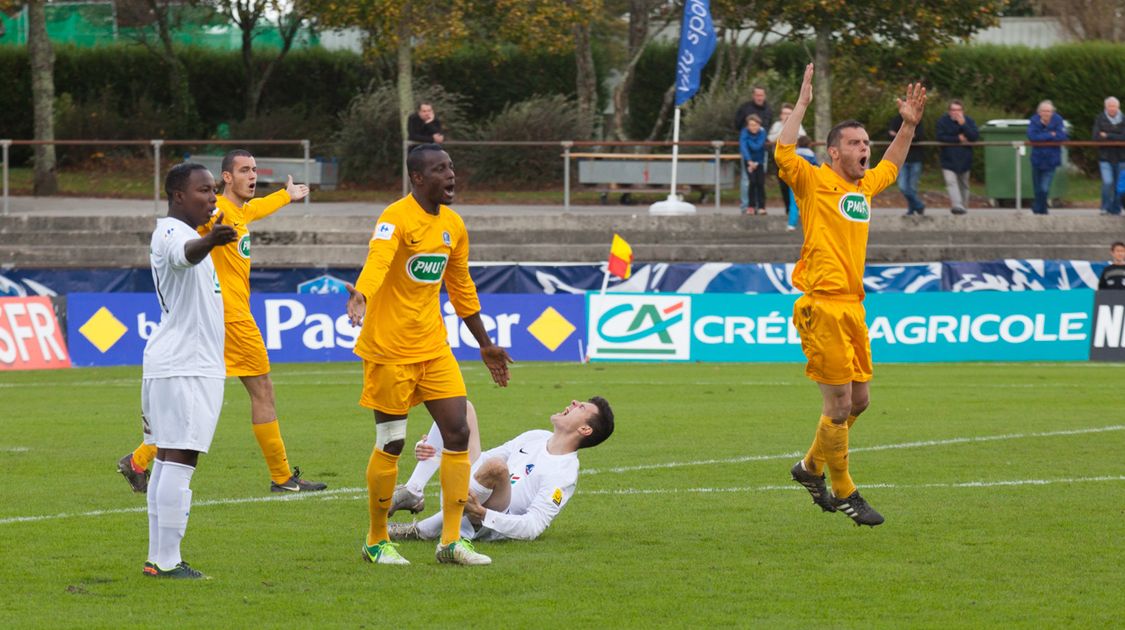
(232, 261)
(411, 252)
(835, 217)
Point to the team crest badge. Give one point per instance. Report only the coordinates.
(445, 238)
(527, 469)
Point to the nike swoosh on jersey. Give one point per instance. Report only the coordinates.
(523, 451)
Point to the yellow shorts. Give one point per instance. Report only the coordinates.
(834, 339)
(245, 352)
(394, 389)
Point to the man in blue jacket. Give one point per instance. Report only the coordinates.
(1045, 126)
(955, 128)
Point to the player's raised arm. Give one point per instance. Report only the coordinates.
(911, 109)
(197, 249)
(792, 127)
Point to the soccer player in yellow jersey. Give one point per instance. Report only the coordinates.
(418, 242)
(244, 352)
(835, 204)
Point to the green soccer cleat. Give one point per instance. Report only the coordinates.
(181, 572)
(385, 552)
(296, 484)
(460, 552)
(138, 481)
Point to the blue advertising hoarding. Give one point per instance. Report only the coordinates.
(112, 328)
(904, 328)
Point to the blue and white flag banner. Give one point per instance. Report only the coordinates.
(697, 42)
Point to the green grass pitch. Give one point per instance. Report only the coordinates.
(1002, 485)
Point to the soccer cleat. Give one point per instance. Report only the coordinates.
(460, 552)
(857, 508)
(149, 570)
(181, 572)
(296, 484)
(403, 531)
(385, 552)
(138, 481)
(814, 484)
(404, 499)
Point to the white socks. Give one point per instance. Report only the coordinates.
(424, 470)
(172, 497)
(153, 527)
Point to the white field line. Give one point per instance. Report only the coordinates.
(328, 495)
(14, 449)
(359, 493)
(880, 447)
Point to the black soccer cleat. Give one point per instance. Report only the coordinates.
(814, 484)
(181, 572)
(296, 484)
(138, 481)
(857, 509)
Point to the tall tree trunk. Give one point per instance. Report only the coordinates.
(586, 83)
(405, 70)
(822, 84)
(42, 97)
(639, 36)
(183, 103)
(254, 89)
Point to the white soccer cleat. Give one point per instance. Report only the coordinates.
(385, 552)
(460, 552)
(404, 499)
(403, 531)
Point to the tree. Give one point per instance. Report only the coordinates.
(42, 58)
(165, 17)
(917, 30)
(1090, 19)
(249, 16)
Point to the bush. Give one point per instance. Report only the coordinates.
(368, 142)
(541, 119)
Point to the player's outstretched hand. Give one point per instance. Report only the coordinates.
(221, 233)
(805, 96)
(357, 305)
(423, 450)
(296, 192)
(497, 360)
(914, 105)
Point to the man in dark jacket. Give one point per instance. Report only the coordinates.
(956, 128)
(1109, 126)
(756, 105)
(1045, 126)
(423, 126)
(911, 171)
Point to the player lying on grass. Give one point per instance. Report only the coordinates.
(517, 488)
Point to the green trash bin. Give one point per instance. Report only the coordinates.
(1000, 167)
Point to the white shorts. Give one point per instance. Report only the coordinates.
(181, 412)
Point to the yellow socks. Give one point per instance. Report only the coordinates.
(454, 475)
(382, 472)
(832, 444)
(814, 459)
(273, 448)
(143, 456)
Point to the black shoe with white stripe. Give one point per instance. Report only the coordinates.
(857, 509)
(814, 484)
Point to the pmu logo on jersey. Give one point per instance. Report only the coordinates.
(426, 268)
(639, 327)
(244, 246)
(854, 207)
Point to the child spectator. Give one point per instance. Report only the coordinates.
(752, 144)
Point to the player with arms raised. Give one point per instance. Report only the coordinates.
(835, 203)
(418, 242)
(245, 353)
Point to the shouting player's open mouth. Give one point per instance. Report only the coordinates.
(863, 162)
(447, 192)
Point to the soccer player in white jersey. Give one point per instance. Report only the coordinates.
(183, 375)
(518, 488)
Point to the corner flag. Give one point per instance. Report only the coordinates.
(620, 258)
(697, 42)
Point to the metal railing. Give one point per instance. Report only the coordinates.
(156, 144)
(1019, 148)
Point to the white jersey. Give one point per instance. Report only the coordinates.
(189, 340)
(542, 483)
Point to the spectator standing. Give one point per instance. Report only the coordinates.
(423, 126)
(1045, 126)
(752, 146)
(771, 138)
(759, 106)
(1113, 276)
(1109, 126)
(955, 128)
(911, 171)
